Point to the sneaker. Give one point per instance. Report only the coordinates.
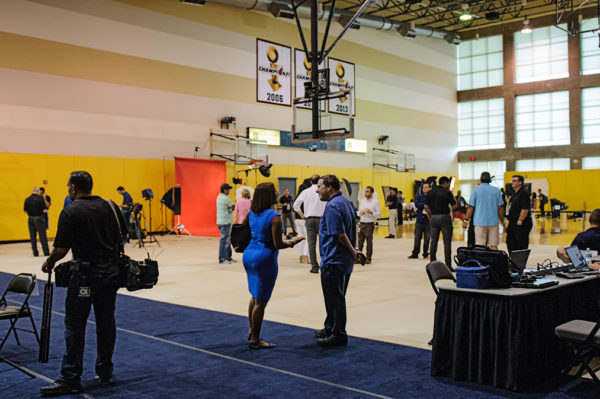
(413, 257)
(314, 270)
(390, 236)
(232, 260)
(59, 387)
(425, 256)
(225, 262)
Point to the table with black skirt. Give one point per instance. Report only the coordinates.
(505, 337)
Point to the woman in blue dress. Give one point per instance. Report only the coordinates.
(260, 257)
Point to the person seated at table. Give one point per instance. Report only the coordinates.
(587, 239)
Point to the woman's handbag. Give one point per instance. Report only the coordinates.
(240, 236)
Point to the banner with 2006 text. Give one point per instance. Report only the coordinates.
(273, 73)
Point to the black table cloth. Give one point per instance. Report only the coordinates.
(508, 341)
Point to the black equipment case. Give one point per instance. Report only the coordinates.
(497, 260)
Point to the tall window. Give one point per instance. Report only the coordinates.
(533, 165)
(480, 63)
(590, 114)
(481, 124)
(590, 52)
(541, 55)
(469, 173)
(590, 163)
(542, 119)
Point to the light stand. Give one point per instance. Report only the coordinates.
(151, 237)
(148, 195)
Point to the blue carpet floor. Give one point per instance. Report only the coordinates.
(171, 351)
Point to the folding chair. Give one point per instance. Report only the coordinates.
(436, 271)
(24, 284)
(583, 338)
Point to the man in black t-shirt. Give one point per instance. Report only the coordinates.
(519, 218)
(392, 203)
(92, 228)
(47, 202)
(287, 213)
(34, 207)
(438, 205)
(543, 200)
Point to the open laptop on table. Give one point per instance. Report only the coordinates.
(578, 260)
(519, 258)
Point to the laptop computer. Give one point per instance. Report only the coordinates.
(538, 283)
(520, 257)
(577, 258)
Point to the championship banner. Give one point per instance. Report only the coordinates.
(341, 77)
(273, 73)
(303, 71)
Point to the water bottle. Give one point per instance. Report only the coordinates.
(588, 260)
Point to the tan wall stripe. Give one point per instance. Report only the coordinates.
(44, 56)
(261, 25)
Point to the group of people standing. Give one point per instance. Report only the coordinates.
(323, 211)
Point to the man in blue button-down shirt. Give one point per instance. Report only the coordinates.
(488, 206)
(337, 241)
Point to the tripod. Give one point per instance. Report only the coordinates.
(151, 237)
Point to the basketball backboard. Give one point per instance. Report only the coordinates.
(250, 152)
(332, 125)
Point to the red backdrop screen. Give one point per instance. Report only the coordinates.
(200, 181)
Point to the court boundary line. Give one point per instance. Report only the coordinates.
(231, 358)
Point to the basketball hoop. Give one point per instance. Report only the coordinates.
(256, 161)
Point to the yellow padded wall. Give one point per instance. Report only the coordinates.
(19, 173)
(578, 188)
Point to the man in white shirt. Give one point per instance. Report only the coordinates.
(313, 210)
(369, 211)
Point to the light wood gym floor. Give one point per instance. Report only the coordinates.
(390, 300)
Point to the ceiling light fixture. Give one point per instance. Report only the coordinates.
(526, 28)
(465, 16)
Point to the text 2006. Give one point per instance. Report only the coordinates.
(278, 98)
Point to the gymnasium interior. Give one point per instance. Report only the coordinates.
(154, 95)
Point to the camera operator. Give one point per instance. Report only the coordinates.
(126, 205)
(89, 228)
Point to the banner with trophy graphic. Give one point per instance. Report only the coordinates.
(273, 73)
(302, 69)
(341, 77)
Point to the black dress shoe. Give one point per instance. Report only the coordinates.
(322, 333)
(314, 270)
(332, 341)
(103, 380)
(58, 388)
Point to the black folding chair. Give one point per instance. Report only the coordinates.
(23, 284)
(583, 338)
(436, 271)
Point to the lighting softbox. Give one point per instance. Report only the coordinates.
(172, 200)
